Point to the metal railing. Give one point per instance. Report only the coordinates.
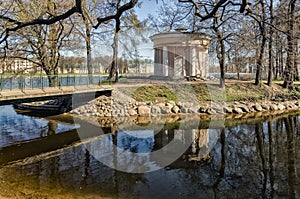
(32, 81)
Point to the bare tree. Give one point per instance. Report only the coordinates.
(11, 23)
(220, 13)
(126, 37)
(220, 49)
(208, 10)
(291, 51)
(40, 44)
(170, 16)
(271, 60)
(85, 17)
(263, 34)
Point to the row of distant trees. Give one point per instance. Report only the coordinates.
(75, 64)
(100, 64)
(71, 64)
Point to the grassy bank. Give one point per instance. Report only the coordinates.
(201, 92)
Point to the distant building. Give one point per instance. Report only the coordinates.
(16, 66)
(180, 54)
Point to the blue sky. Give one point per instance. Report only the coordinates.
(145, 50)
(147, 7)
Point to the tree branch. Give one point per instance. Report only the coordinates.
(39, 21)
(220, 4)
(118, 14)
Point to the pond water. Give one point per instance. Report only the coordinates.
(16, 128)
(255, 158)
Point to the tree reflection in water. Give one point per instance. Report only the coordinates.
(271, 155)
(255, 159)
(290, 129)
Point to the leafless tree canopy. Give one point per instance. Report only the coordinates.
(13, 24)
(206, 10)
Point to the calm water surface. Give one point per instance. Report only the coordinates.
(249, 159)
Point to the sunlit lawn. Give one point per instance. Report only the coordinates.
(279, 81)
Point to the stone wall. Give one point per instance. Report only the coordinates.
(120, 104)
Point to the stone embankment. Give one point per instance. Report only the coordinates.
(120, 104)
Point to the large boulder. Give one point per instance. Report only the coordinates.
(171, 103)
(258, 107)
(281, 107)
(211, 111)
(265, 106)
(273, 107)
(156, 110)
(203, 109)
(193, 109)
(175, 109)
(289, 105)
(227, 109)
(144, 110)
(166, 109)
(184, 110)
(244, 108)
(237, 110)
(132, 112)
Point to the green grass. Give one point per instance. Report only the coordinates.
(244, 92)
(295, 94)
(123, 79)
(106, 82)
(154, 93)
(280, 82)
(202, 92)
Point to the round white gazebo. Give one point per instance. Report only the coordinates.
(181, 54)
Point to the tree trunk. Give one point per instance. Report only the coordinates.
(114, 65)
(89, 53)
(88, 45)
(260, 62)
(221, 53)
(52, 78)
(222, 64)
(270, 72)
(262, 27)
(281, 63)
(289, 69)
(125, 68)
(276, 68)
(296, 61)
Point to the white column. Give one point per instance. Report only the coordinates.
(165, 61)
(156, 61)
(194, 61)
(205, 63)
(247, 67)
(202, 61)
(184, 58)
